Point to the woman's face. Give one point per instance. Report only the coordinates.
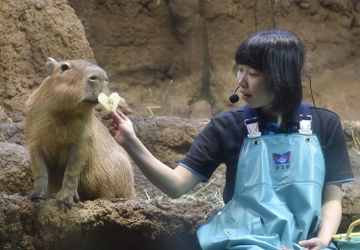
(254, 87)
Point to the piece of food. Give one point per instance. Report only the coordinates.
(109, 102)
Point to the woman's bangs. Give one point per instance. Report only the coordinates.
(249, 54)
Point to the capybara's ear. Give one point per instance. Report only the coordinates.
(50, 65)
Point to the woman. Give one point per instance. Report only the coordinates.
(291, 197)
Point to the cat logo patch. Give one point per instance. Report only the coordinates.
(282, 161)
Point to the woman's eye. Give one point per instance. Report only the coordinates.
(254, 74)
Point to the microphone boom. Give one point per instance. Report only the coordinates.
(234, 98)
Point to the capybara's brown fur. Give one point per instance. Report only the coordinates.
(73, 155)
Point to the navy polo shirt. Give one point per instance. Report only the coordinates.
(221, 139)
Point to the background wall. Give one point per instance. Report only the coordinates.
(179, 54)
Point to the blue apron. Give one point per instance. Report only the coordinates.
(277, 197)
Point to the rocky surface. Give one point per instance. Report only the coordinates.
(101, 224)
(179, 54)
(172, 61)
(147, 221)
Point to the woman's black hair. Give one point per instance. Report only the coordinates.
(280, 56)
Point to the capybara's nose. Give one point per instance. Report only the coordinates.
(97, 78)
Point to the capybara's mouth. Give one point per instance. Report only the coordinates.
(92, 102)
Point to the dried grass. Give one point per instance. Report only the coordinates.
(197, 197)
(356, 140)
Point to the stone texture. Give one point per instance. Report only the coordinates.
(30, 32)
(174, 53)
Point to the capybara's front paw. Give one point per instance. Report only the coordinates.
(35, 197)
(38, 194)
(67, 196)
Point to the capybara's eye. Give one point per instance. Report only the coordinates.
(92, 78)
(64, 67)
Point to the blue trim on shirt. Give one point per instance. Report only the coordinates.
(204, 179)
(340, 181)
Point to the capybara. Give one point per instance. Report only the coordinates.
(73, 155)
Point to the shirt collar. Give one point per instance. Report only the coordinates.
(294, 117)
(289, 125)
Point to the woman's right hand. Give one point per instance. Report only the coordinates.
(121, 127)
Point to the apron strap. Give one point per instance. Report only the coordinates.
(252, 124)
(306, 118)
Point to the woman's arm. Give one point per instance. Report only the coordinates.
(331, 213)
(173, 182)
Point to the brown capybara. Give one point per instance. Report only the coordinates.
(73, 155)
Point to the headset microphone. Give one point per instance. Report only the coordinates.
(234, 97)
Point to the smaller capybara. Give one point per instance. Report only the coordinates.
(73, 155)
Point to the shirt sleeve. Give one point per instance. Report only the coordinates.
(337, 160)
(204, 155)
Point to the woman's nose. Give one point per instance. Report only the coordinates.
(241, 80)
